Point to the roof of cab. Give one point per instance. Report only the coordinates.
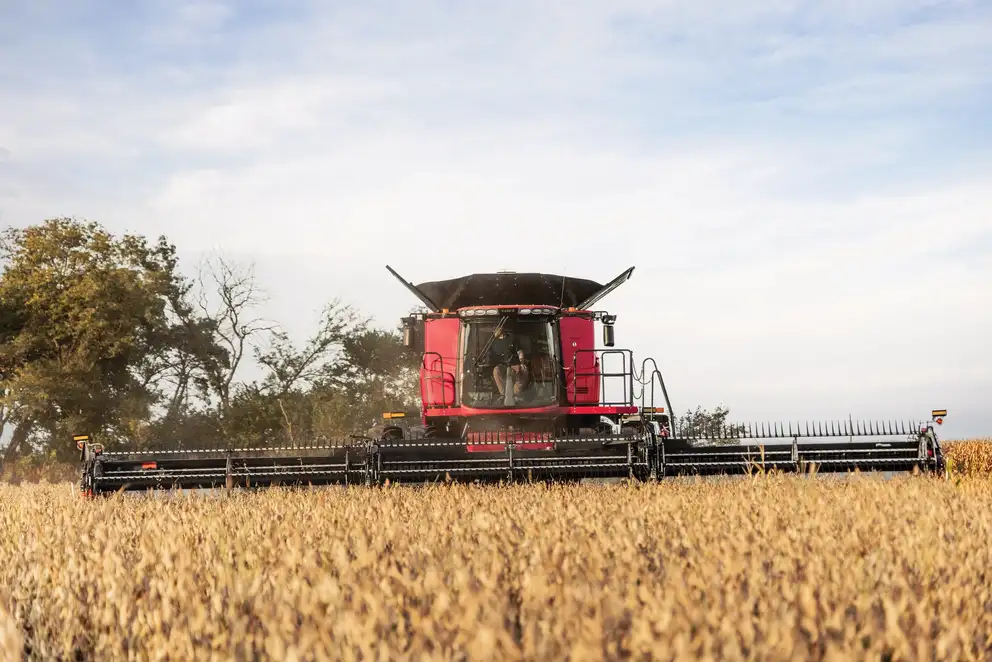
(509, 289)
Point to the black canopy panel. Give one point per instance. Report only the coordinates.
(505, 289)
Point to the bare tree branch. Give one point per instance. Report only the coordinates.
(290, 366)
(233, 321)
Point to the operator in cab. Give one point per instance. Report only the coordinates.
(505, 352)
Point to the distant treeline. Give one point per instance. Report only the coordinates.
(105, 335)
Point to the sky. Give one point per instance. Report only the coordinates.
(803, 187)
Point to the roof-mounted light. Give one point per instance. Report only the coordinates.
(492, 312)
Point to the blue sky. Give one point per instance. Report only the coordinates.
(804, 187)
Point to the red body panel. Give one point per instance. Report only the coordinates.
(524, 441)
(437, 372)
(578, 333)
(595, 410)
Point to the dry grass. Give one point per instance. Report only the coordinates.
(11, 641)
(969, 457)
(38, 469)
(764, 568)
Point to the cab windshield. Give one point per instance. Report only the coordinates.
(509, 362)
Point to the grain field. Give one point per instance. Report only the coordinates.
(768, 568)
(969, 457)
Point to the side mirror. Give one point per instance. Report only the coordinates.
(408, 333)
(608, 335)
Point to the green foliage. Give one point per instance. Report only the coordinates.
(84, 315)
(339, 383)
(707, 424)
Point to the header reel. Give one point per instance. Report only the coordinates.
(637, 452)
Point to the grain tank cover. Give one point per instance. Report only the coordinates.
(507, 289)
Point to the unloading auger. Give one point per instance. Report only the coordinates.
(513, 387)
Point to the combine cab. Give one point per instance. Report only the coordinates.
(513, 387)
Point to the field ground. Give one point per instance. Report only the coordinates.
(768, 567)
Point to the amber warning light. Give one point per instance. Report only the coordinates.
(938, 416)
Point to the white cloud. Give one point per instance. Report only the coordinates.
(785, 244)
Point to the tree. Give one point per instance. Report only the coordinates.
(380, 375)
(706, 424)
(321, 357)
(215, 326)
(338, 383)
(83, 317)
(232, 323)
(280, 408)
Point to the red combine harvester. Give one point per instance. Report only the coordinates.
(513, 387)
